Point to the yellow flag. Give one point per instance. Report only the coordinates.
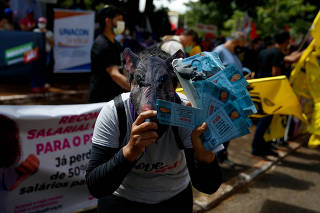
(315, 29)
(298, 78)
(314, 141)
(274, 95)
(313, 74)
(277, 128)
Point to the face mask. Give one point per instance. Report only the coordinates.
(188, 49)
(42, 25)
(119, 28)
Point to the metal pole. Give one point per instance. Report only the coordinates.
(285, 138)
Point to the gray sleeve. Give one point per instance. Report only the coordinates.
(106, 170)
(106, 130)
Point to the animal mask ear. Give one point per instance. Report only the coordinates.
(178, 54)
(132, 60)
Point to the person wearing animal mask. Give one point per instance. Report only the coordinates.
(139, 165)
(107, 79)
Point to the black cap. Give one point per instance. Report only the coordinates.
(108, 11)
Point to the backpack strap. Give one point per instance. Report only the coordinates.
(122, 118)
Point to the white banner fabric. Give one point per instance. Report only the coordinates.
(55, 142)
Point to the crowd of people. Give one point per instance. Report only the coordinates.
(8, 22)
(119, 170)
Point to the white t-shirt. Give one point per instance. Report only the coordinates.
(160, 173)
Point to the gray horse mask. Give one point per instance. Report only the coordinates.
(151, 76)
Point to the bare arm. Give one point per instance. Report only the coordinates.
(117, 77)
(293, 57)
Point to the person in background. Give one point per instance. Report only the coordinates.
(272, 60)
(8, 14)
(207, 43)
(227, 50)
(196, 48)
(268, 42)
(250, 55)
(107, 80)
(147, 40)
(3, 21)
(28, 23)
(172, 43)
(227, 54)
(42, 28)
(129, 41)
(272, 63)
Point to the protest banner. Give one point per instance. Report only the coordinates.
(73, 35)
(206, 28)
(55, 146)
(277, 128)
(21, 54)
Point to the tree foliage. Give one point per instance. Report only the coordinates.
(269, 15)
(276, 14)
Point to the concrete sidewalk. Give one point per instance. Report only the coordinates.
(245, 169)
(20, 94)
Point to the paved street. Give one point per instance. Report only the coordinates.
(292, 185)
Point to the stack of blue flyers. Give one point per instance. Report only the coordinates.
(219, 95)
(232, 79)
(208, 63)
